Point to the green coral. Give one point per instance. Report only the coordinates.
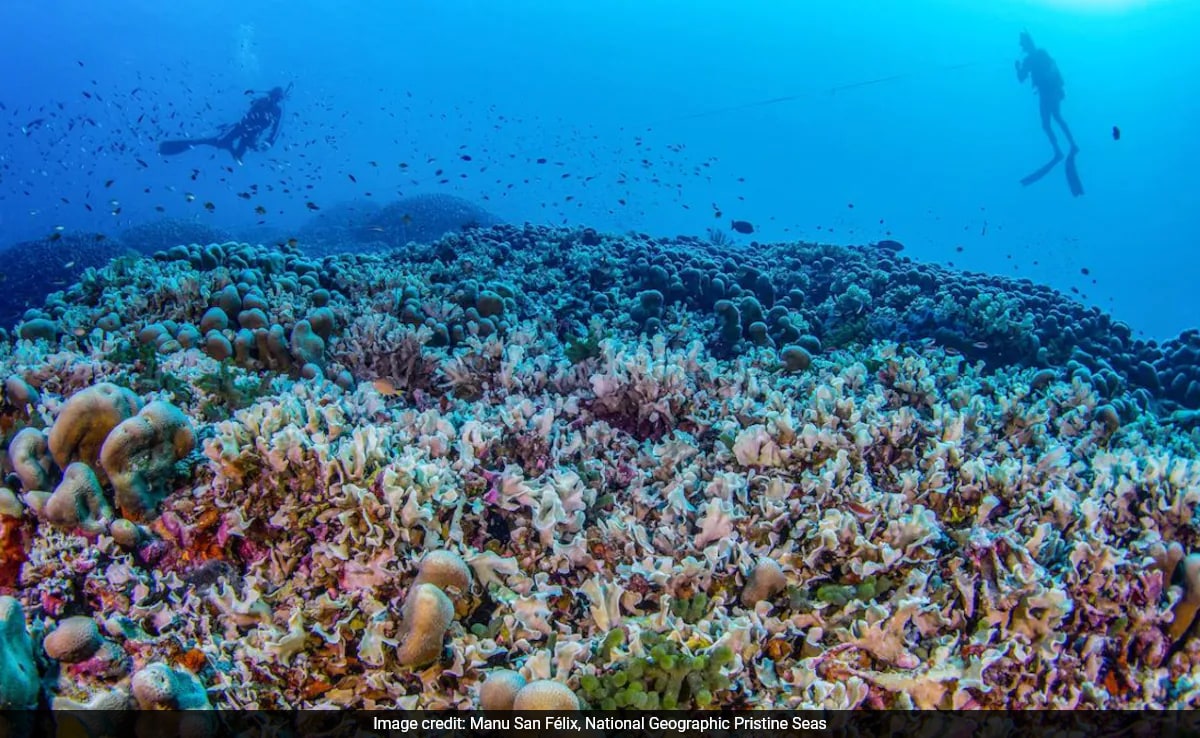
(838, 595)
(582, 348)
(850, 332)
(227, 392)
(690, 609)
(665, 679)
(147, 375)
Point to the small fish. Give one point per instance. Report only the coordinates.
(385, 387)
(742, 226)
(68, 265)
(312, 205)
(1116, 133)
(55, 236)
(292, 242)
(260, 210)
(189, 197)
(406, 219)
(209, 206)
(352, 178)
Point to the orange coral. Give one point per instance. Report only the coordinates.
(12, 551)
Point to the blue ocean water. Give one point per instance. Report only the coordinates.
(901, 120)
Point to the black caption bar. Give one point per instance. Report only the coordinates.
(663, 724)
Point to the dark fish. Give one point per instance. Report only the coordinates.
(209, 207)
(312, 206)
(894, 246)
(1116, 133)
(352, 178)
(742, 226)
(260, 210)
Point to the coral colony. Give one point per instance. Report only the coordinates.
(528, 468)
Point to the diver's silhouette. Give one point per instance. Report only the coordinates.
(1040, 68)
(264, 117)
(1048, 83)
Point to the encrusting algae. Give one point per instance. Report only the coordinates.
(539, 468)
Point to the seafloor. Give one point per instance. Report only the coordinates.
(613, 471)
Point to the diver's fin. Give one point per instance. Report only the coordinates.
(1042, 171)
(1073, 174)
(170, 148)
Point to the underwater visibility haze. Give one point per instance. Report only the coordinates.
(535, 355)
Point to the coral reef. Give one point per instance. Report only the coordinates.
(523, 467)
(35, 269)
(362, 225)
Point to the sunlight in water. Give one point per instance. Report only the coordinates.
(1110, 6)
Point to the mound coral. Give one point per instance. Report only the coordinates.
(73, 640)
(78, 502)
(159, 687)
(140, 454)
(427, 614)
(84, 422)
(29, 454)
(18, 671)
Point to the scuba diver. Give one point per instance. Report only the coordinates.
(264, 117)
(1048, 83)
